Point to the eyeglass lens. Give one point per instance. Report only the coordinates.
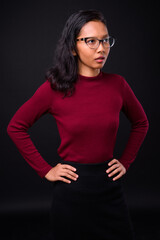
(94, 42)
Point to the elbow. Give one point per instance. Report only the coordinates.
(147, 125)
(12, 128)
(141, 125)
(16, 127)
(144, 125)
(9, 129)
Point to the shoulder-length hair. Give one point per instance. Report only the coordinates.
(64, 73)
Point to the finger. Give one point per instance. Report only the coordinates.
(69, 173)
(113, 167)
(66, 166)
(118, 176)
(70, 176)
(112, 161)
(64, 180)
(114, 172)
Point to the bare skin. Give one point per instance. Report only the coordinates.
(60, 171)
(116, 167)
(88, 66)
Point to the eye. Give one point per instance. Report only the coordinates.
(106, 40)
(91, 40)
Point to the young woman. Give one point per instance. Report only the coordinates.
(88, 198)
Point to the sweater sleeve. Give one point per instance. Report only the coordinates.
(38, 105)
(139, 124)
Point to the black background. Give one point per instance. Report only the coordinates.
(29, 34)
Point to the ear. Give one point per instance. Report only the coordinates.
(74, 53)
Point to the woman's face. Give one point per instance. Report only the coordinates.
(88, 64)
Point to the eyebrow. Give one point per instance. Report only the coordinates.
(106, 35)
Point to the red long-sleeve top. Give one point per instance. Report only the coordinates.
(87, 121)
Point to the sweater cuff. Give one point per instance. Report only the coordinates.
(125, 164)
(44, 171)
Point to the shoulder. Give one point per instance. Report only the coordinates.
(43, 94)
(115, 79)
(114, 76)
(44, 89)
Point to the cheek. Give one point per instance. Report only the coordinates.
(107, 51)
(85, 54)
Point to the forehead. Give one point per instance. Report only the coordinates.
(93, 29)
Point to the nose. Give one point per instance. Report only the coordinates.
(101, 47)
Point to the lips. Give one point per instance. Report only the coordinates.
(100, 58)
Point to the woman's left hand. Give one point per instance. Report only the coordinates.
(116, 167)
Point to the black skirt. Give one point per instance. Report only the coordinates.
(92, 208)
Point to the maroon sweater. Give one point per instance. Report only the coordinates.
(87, 121)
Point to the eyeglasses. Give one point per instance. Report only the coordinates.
(93, 42)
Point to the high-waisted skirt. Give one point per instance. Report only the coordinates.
(93, 207)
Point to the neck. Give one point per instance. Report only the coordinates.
(89, 73)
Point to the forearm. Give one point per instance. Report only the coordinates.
(23, 119)
(28, 150)
(137, 135)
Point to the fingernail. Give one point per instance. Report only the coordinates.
(109, 175)
(75, 169)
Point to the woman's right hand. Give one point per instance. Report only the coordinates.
(60, 171)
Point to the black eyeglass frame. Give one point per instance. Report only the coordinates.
(100, 40)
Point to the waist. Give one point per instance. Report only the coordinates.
(88, 168)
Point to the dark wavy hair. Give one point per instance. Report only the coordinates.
(64, 73)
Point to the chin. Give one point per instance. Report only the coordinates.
(99, 66)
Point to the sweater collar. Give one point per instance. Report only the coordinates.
(86, 78)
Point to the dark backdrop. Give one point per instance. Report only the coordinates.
(29, 33)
